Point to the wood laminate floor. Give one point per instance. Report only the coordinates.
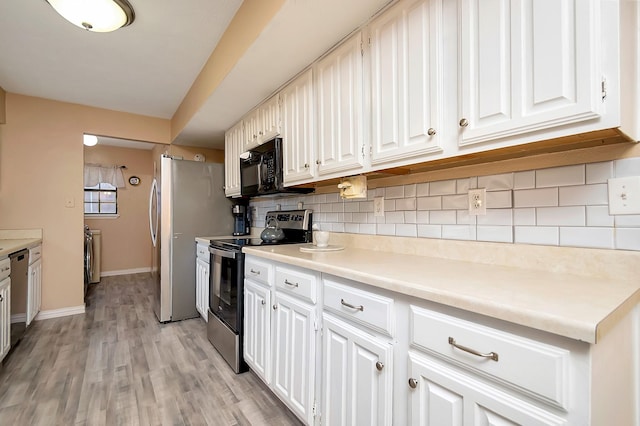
(116, 365)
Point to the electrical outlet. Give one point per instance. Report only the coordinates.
(378, 206)
(478, 202)
(624, 195)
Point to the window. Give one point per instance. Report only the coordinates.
(101, 199)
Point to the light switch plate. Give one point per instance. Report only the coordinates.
(624, 195)
(378, 207)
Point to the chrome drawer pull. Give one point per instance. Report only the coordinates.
(263, 302)
(379, 366)
(349, 305)
(254, 272)
(290, 283)
(492, 355)
(413, 383)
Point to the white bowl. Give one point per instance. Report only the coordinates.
(321, 238)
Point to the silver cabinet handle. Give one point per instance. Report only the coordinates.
(263, 302)
(491, 355)
(1, 298)
(379, 366)
(290, 283)
(431, 131)
(318, 162)
(464, 122)
(254, 272)
(413, 383)
(306, 165)
(275, 307)
(349, 305)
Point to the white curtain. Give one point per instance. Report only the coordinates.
(97, 173)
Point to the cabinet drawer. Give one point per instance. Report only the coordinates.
(302, 283)
(363, 307)
(202, 252)
(5, 268)
(35, 253)
(257, 270)
(537, 368)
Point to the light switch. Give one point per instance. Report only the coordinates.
(69, 202)
(624, 195)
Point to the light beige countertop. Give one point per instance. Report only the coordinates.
(576, 293)
(13, 240)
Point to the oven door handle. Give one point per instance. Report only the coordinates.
(222, 253)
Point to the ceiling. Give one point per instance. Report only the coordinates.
(148, 67)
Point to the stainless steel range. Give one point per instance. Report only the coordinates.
(226, 282)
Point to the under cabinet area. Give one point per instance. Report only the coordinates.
(202, 280)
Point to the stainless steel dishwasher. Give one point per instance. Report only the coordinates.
(19, 294)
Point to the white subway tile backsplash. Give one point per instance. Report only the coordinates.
(332, 197)
(430, 231)
(410, 190)
(584, 195)
(496, 182)
(599, 216)
(422, 189)
(348, 217)
(599, 172)
(524, 217)
(543, 235)
(560, 176)
(442, 187)
(587, 237)
(385, 229)
(394, 217)
(406, 204)
(464, 218)
(359, 217)
(462, 186)
(627, 167)
(545, 197)
(455, 202)
(337, 207)
(422, 216)
(367, 228)
(503, 217)
(351, 207)
(394, 192)
(389, 205)
(337, 227)
(459, 232)
(366, 206)
(499, 234)
(353, 228)
(627, 238)
(524, 180)
(442, 217)
(499, 199)
(407, 230)
(379, 192)
(429, 203)
(328, 207)
(626, 220)
(561, 216)
(410, 217)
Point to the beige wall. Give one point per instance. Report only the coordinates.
(41, 165)
(126, 244)
(3, 107)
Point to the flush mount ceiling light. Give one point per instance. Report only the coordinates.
(100, 16)
(90, 140)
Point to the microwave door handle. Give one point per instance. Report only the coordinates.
(260, 187)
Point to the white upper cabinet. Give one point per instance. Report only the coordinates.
(297, 130)
(406, 82)
(233, 144)
(527, 66)
(262, 124)
(339, 108)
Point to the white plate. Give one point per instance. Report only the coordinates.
(312, 249)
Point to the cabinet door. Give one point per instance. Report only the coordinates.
(250, 138)
(269, 119)
(440, 395)
(294, 351)
(5, 317)
(297, 129)
(339, 103)
(526, 66)
(357, 376)
(34, 290)
(406, 82)
(202, 288)
(257, 329)
(232, 149)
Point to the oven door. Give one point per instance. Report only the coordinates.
(225, 286)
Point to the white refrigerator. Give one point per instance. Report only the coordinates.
(186, 201)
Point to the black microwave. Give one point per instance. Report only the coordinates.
(261, 171)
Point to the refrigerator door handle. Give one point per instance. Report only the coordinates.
(153, 225)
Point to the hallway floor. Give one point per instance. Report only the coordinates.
(117, 365)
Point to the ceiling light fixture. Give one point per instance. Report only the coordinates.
(90, 140)
(100, 16)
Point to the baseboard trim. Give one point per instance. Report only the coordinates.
(62, 312)
(124, 272)
(18, 318)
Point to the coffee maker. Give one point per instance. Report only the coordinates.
(241, 220)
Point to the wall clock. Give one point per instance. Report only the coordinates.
(134, 180)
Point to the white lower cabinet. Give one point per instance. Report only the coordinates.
(5, 316)
(357, 373)
(202, 280)
(34, 283)
(257, 329)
